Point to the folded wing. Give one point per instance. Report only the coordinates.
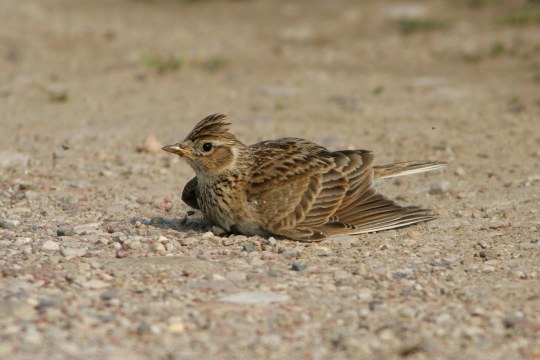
(307, 193)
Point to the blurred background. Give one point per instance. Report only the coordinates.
(348, 72)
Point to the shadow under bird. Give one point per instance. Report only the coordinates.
(290, 187)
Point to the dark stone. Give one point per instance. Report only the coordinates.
(108, 295)
(250, 247)
(374, 304)
(6, 224)
(65, 231)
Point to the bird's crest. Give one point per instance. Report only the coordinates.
(211, 126)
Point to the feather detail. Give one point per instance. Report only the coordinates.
(295, 188)
(406, 168)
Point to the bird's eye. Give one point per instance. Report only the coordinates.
(207, 146)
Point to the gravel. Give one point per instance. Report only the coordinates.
(100, 259)
(439, 188)
(10, 158)
(254, 298)
(8, 224)
(73, 247)
(50, 245)
(95, 284)
(65, 231)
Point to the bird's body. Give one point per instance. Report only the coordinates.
(290, 187)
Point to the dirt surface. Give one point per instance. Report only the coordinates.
(100, 259)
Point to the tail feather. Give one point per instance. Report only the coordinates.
(362, 209)
(371, 211)
(404, 221)
(406, 168)
(383, 221)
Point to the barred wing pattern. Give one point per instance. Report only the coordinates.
(305, 192)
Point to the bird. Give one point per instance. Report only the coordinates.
(290, 187)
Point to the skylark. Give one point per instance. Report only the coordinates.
(290, 187)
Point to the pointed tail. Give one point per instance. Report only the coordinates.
(406, 168)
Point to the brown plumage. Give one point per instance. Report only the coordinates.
(290, 187)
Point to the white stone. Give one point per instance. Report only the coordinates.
(50, 245)
(254, 297)
(74, 251)
(95, 284)
(23, 241)
(439, 188)
(86, 228)
(13, 158)
(158, 247)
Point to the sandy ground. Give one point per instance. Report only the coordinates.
(100, 259)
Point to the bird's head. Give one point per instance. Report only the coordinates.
(210, 149)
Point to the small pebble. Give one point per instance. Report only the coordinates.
(292, 253)
(217, 231)
(250, 247)
(33, 336)
(171, 246)
(143, 199)
(65, 231)
(298, 266)
(108, 295)
(176, 327)
(477, 214)
(13, 158)
(118, 236)
(208, 235)
(106, 173)
(8, 224)
(439, 188)
(151, 145)
(73, 251)
(460, 171)
(143, 328)
(23, 241)
(50, 245)
(21, 211)
(158, 247)
(510, 321)
(323, 251)
(188, 241)
(526, 245)
(266, 255)
(228, 242)
(86, 228)
(95, 284)
(254, 298)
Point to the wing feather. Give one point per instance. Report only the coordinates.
(288, 180)
(307, 193)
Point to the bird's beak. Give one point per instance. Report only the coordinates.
(179, 149)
